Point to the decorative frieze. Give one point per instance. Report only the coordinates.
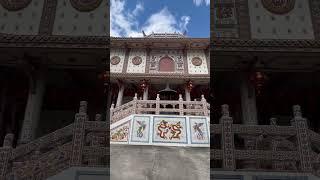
(197, 63)
(161, 130)
(175, 55)
(136, 61)
(117, 58)
(285, 19)
(225, 19)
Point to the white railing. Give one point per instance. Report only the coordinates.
(178, 107)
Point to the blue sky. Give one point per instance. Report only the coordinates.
(129, 17)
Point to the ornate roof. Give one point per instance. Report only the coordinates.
(265, 45)
(165, 35)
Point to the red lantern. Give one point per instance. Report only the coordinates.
(258, 79)
(189, 85)
(143, 84)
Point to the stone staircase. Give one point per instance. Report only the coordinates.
(83, 143)
(265, 148)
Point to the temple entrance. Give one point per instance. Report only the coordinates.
(168, 94)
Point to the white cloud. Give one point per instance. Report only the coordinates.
(184, 22)
(122, 22)
(199, 2)
(139, 7)
(125, 22)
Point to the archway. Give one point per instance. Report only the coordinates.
(166, 64)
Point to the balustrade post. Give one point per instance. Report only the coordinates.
(135, 100)
(158, 104)
(227, 139)
(204, 106)
(79, 135)
(111, 112)
(304, 147)
(5, 155)
(180, 105)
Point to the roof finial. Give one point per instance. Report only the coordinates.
(144, 34)
(185, 32)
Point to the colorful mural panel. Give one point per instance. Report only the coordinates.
(169, 129)
(120, 133)
(199, 131)
(140, 129)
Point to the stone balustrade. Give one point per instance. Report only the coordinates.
(265, 147)
(83, 143)
(178, 107)
(291, 148)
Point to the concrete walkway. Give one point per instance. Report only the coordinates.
(129, 162)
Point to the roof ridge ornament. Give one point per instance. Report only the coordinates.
(165, 35)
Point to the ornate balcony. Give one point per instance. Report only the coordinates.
(164, 107)
(292, 148)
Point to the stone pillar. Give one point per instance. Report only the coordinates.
(79, 135)
(188, 87)
(120, 94)
(3, 105)
(228, 146)
(249, 116)
(248, 102)
(109, 102)
(33, 108)
(301, 125)
(5, 155)
(187, 93)
(146, 93)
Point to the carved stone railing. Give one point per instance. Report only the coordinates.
(179, 107)
(82, 143)
(265, 147)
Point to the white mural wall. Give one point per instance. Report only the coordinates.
(296, 24)
(197, 63)
(117, 67)
(137, 61)
(162, 130)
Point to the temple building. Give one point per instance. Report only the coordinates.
(266, 82)
(52, 102)
(160, 116)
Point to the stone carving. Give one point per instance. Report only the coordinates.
(225, 12)
(279, 6)
(57, 151)
(315, 6)
(166, 61)
(85, 5)
(115, 60)
(8, 140)
(170, 130)
(137, 60)
(196, 61)
(121, 133)
(14, 5)
(140, 129)
(226, 19)
(199, 131)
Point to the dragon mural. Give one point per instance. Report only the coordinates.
(120, 134)
(169, 131)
